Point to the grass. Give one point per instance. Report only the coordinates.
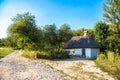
(28, 54)
(110, 64)
(5, 51)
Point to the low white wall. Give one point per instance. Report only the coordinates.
(94, 52)
(72, 51)
(78, 51)
(88, 52)
(75, 51)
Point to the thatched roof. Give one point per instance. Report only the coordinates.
(81, 42)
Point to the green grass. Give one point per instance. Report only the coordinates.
(5, 51)
(110, 64)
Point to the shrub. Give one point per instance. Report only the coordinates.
(101, 57)
(28, 54)
(43, 55)
(53, 54)
(110, 56)
(117, 61)
(59, 54)
(110, 64)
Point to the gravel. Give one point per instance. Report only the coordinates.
(15, 67)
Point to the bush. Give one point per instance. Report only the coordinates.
(117, 61)
(110, 56)
(101, 57)
(110, 64)
(53, 54)
(59, 54)
(43, 55)
(28, 54)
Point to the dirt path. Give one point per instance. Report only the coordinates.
(15, 67)
(80, 69)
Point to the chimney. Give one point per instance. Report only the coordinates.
(85, 33)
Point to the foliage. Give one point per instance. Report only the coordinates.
(11, 41)
(2, 42)
(101, 33)
(45, 55)
(63, 35)
(5, 51)
(101, 57)
(111, 56)
(53, 55)
(80, 32)
(23, 31)
(109, 63)
(59, 54)
(64, 31)
(28, 54)
(112, 16)
(50, 36)
(24, 34)
(55, 38)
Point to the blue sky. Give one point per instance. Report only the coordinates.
(76, 13)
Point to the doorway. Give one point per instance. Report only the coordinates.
(83, 52)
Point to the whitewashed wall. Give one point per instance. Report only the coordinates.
(72, 51)
(88, 52)
(94, 52)
(78, 51)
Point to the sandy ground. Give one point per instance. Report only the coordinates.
(80, 69)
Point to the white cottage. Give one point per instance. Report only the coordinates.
(85, 46)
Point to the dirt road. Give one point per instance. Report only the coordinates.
(80, 69)
(16, 67)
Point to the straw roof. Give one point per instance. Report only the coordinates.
(81, 42)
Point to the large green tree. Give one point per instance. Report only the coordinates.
(79, 32)
(2, 42)
(50, 36)
(55, 38)
(112, 16)
(25, 30)
(64, 34)
(101, 33)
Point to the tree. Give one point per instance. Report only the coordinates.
(79, 32)
(50, 36)
(25, 29)
(64, 34)
(101, 33)
(112, 16)
(2, 42)
(55, 38)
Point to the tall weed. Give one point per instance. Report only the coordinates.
(28, 54)
(101, 57)
(109, 63)
(111, 56)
